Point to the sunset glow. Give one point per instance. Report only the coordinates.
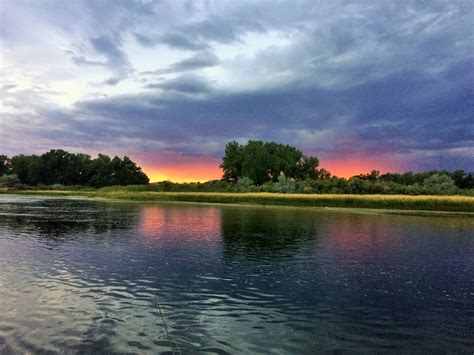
(202, 170)
(169, 83)
(348, 166)
(189, 173)
(180, 169)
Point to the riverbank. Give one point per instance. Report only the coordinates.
(398, 202)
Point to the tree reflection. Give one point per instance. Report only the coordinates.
(267, 233)
(55, 219)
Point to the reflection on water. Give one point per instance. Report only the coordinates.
(85, 276)
(177, 221)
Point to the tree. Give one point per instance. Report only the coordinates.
(439, 184)
(256, 162)
(100, 171)
(232, 161)
(462, 179)
(323, 174)
(55, 163)
(28, 168)
(266, 161)
(61, 167)
(126, 172)
(76, 172)
(374, 175)
(5, 165)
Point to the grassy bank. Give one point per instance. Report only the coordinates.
(400, 202)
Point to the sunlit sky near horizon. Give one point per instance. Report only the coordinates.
(362, 85)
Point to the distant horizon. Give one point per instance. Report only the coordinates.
(198, 169)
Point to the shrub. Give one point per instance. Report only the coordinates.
(439, 184)
(9, 180)
(284, 185)
(244, 184)
(305, 187)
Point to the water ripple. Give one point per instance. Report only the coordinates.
(91, 277)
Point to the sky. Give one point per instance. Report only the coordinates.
(384, 85)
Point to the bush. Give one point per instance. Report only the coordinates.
(9, 180)
(439, 184)
(284, 185)
(305, 187)
(244, 184)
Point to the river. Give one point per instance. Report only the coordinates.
(87, 276)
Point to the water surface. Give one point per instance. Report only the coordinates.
(87, 276)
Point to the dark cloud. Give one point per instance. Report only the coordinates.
(182, 41)
(335, 78)
(174, 40)
(117, 60)
(81, 60)
(188, 84)
(198, 61)
(386, 116)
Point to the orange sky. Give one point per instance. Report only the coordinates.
(347, 166)
(181, 169)
(186, 173)
(193, 169)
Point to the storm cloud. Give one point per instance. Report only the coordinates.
(336, 79)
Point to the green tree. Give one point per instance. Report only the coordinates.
(323, 174)
(256, 162)
(76, 172)
(232, 161)
(462, 179)
(100, 171)
(126, 172)
(56, 164)
(266, 161)
(64, 168)
(28, 168)
(439, 184)
(5, 165)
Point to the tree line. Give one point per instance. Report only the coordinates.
(273, 167)
(253, 167)
(64, 168)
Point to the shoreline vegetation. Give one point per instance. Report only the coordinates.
(255, 173)
(444, 203)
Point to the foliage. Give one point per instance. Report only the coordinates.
(256, 166)
(64, 168)
(5, 165)
(323, 174)
(266, 161)
(244, 185)
(440, 184)
(462, 179)
(11, 180)
(284, 185)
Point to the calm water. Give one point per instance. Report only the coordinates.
(84, 276)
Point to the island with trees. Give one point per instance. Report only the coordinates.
(256, 172)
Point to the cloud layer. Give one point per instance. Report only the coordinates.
(180, 79)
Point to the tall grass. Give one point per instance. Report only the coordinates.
(402, 202)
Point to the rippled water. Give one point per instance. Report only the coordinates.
(87, 276)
